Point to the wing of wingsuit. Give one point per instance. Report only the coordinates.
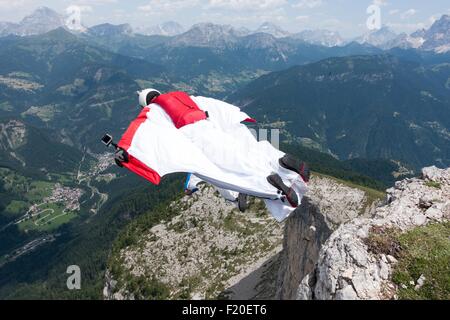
(176, 132)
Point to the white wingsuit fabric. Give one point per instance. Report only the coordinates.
(219, 150)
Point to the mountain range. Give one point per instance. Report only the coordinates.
(82, 89)
(436, 38)
(359, 107)
(42, 20)
(169, 28)
(361, 113)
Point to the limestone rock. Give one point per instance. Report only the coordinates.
(346, 269)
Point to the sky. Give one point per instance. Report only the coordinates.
(346, 16)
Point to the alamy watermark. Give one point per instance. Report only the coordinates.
(263, 134)
(73, 19)
(74, 280)
(374, 20)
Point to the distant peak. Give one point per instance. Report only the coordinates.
(384, 29)
(108, 29)
(273, 29)
(444, 19)
(267, 23)
(44, 11)
(212, 26)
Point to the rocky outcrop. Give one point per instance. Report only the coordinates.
(345, 267)
(207, 247)
(321, 252)
(328, 204)
(210, 248)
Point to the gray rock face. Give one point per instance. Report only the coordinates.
(301, 253)
(326, 38)
(42, 20)
(378, 38)
(109, 30)
(207, 34)
(208, 247)
(437, 38)
(169, 28)
(324, 253)
(327, 205)
(345, 268)
(273, 30)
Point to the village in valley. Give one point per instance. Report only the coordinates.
(46, 205)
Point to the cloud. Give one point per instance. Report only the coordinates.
(9, 5)
(82, 8)
(94, 2)
(158, 6)
(301, 18)
(394, 11)
(308, 4)
(332, 23)
(408, 13)
(434, 18)
(243, 18)
(407, 26)
(253, 5)
(380, 2)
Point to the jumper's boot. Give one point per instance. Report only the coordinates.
(291, 163)
(290, 194)
(242, 202)
(120, 157)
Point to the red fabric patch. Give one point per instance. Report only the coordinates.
(134, 164)
(250, 120)
(127, 137)
(142, 170)
(180, 108)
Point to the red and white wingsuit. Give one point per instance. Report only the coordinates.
(175, 134)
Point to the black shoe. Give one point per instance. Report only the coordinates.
(121, 156)
(291, 163)
(290, 194)
(242, 202)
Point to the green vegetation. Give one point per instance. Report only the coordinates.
(372, 195)
(50, 217)
(425, 251)
(39, 190)
(13, 182)
(45, 113)
(147, 289)
(433, 184)
(326, 164)
(236, 222)
(16, 208)
(384, 241)
(86, 244)
(311, 101)
(335, 104)
(24, 193)
(130, 236)
(227, 259)
(6, 106)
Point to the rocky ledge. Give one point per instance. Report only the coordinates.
(346, 267)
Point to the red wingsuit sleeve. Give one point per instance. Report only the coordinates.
(134, 164)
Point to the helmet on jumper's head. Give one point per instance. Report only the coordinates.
(146, 96)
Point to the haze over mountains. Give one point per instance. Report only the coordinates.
(89, 75)
(377, 106)
(360, 107)
(435, 38)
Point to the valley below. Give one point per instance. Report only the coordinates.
(370, 115)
